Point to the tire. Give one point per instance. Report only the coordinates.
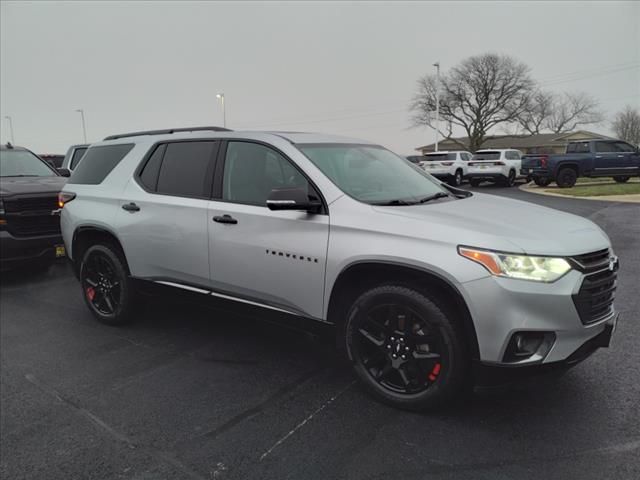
(456, 181)
(566, 177)
(510, 180)
(107, 288)
(542, 181)
(405, 349)
(621, 179)
(474, 182)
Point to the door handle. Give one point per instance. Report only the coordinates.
(131, 207)
(620, 156)
(598, 156)
(225, 219)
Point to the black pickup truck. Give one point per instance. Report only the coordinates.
(29, 210)
(586, 158)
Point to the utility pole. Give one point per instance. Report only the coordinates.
(8, 117)
(220, 96)
(84, 126)
(437, 65)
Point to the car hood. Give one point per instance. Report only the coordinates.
(22, 185)
(497, 223)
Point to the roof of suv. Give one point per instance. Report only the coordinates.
(10, 147)
(441, 152)
(205, 132)
(497, 150)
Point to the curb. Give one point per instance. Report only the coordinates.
(631, 198)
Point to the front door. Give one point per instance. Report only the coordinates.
(272, 258)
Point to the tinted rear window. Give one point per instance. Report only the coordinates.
(149, 174)
(98, 162)
(578, 147)
(77, 156)
(439, 156)
(186, 169)
(486, 156)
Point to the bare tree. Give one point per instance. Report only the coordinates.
(572, 110)
(478, 94)
(539, 109)
(626, 125)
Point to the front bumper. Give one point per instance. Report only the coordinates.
(488, 374)
(17, 251)
(501, 307)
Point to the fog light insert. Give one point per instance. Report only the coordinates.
(528, 347)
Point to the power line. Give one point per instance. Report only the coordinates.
(597, 74)
(588, 71)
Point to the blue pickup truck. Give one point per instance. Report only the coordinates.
(586, 158)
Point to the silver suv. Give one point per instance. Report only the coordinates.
(429, 288)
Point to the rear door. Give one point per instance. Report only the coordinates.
(606, 161)
(272, 258)
(163, 221)
(628, 159)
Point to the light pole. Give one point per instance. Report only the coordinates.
(437, 65)
(84, 125)
(220, 96)
(8, 117)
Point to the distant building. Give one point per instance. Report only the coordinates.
(540, 143)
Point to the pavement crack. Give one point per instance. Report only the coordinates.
(258, 409)
(113, 433)
(305, 421)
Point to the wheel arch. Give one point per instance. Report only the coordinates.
(562, 165)
(360, 276)
(87, 235)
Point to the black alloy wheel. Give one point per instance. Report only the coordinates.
(404, 348)
(106, 286)
(567, 177)
(542, 181)
(101, 284)
(457, 179)
(511, 179)
(399, 349)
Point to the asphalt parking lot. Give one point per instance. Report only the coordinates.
(188, 392)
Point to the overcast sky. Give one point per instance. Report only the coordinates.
(343, 68)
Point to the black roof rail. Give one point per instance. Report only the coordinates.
(166, 131)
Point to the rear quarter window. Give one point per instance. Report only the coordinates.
(77, 156)
(98, 162)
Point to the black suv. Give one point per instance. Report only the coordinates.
(29, 212)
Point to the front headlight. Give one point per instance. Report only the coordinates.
(523, 267)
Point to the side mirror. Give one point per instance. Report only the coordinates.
(292, 199)
(65, 172)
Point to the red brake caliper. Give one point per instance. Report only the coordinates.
(91, 293)
(434, 372)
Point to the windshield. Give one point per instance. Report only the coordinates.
(22, 163)
(371, 173)
(486, 156)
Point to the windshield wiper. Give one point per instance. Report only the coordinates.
(433, 197)
(13, 176)
(391, 203)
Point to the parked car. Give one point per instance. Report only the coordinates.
(29, 211)
(448, 166)
(52, 159)
(427, 287)
(74, 155)
(495, 165)
(587, 158)
(415, 158)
